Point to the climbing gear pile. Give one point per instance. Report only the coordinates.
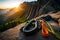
(33, 26)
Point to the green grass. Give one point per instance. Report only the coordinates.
(11, 23)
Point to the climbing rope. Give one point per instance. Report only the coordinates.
(52, 31)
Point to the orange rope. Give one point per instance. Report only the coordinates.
(44, 29)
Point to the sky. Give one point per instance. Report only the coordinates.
(11, 3)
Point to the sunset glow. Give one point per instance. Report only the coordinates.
(11, 3)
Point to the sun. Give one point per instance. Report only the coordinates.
(12, 5)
